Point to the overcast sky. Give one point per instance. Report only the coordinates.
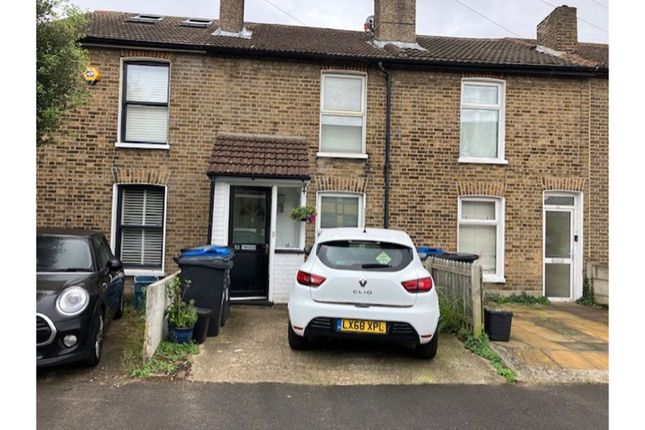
(434, 17)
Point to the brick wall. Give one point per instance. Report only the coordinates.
(547, 135)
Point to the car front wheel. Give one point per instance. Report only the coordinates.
(428, 350)
(96, 341)
(297, 342)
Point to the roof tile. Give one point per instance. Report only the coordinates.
(285, 39)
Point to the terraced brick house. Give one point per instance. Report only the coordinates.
(211, 131)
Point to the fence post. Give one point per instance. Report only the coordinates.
(476, 296)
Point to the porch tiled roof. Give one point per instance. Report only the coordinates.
(262, 156)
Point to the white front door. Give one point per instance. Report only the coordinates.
(562, 237)
(558, 253)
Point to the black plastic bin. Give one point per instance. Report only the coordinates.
(208, 268)
(497, 324)
(200, 331)
(459, 256)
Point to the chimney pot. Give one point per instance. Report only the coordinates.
(559, 30)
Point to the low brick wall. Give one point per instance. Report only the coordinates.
(598, 275)
(156, 324)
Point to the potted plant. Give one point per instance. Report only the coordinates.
(304, 213)
(182, 315)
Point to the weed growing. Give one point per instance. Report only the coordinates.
(587, 298)
(169, 359)
(451, 310)
(519, 299)
(480, 345)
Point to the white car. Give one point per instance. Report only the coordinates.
(364, 283)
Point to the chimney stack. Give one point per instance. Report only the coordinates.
(559, 30)
(231, 18)
(395, 22)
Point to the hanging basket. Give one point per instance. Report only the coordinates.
(304, 214)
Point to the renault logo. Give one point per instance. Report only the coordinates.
(362, 281)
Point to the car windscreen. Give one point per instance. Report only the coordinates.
(62, 254)
(364, 255)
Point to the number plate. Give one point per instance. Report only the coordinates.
(361, 326)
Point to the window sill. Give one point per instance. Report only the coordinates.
(163, 146)
(341, 155)
(473, 160)
(493, 279)
(144, 272)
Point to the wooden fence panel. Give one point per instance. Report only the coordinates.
(461, 283)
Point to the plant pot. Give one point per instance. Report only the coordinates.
(180, 335)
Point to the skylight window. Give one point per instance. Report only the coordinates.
(197, 22)
(145, 18)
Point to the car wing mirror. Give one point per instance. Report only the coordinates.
(423, 256)
(307, 250)
(115, 264)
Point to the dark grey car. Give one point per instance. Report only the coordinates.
(80, 289)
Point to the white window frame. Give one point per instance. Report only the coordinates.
(119, 143)
(361, 206)
(113, 230)
(362, 114)
(499, 222)
(500, 107)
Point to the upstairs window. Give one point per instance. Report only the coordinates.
(144, 110)
(140, 227)
(482, 121)
(342, 115)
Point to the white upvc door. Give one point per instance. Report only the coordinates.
(559, 258)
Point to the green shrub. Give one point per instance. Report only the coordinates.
(180, 314)
(520, 299)
(452, 313)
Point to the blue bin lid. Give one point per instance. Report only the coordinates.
(206, 251)
(145, 280)
(429, 250)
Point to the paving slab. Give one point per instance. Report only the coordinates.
(557, 343)
(253, 348)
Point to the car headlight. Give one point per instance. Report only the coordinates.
(72, 301)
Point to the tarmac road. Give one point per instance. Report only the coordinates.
(163, 404)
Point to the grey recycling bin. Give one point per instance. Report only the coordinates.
(208, 268)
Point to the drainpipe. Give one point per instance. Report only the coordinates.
(386, 167)
(210, 211)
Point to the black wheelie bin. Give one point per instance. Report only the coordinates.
(208, 268)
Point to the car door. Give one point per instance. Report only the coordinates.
(110, 287)
(116, 276)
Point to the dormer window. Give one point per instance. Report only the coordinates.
(197, 22)
(145, 18)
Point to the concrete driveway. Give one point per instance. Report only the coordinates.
(557, 343)
(253, 348)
